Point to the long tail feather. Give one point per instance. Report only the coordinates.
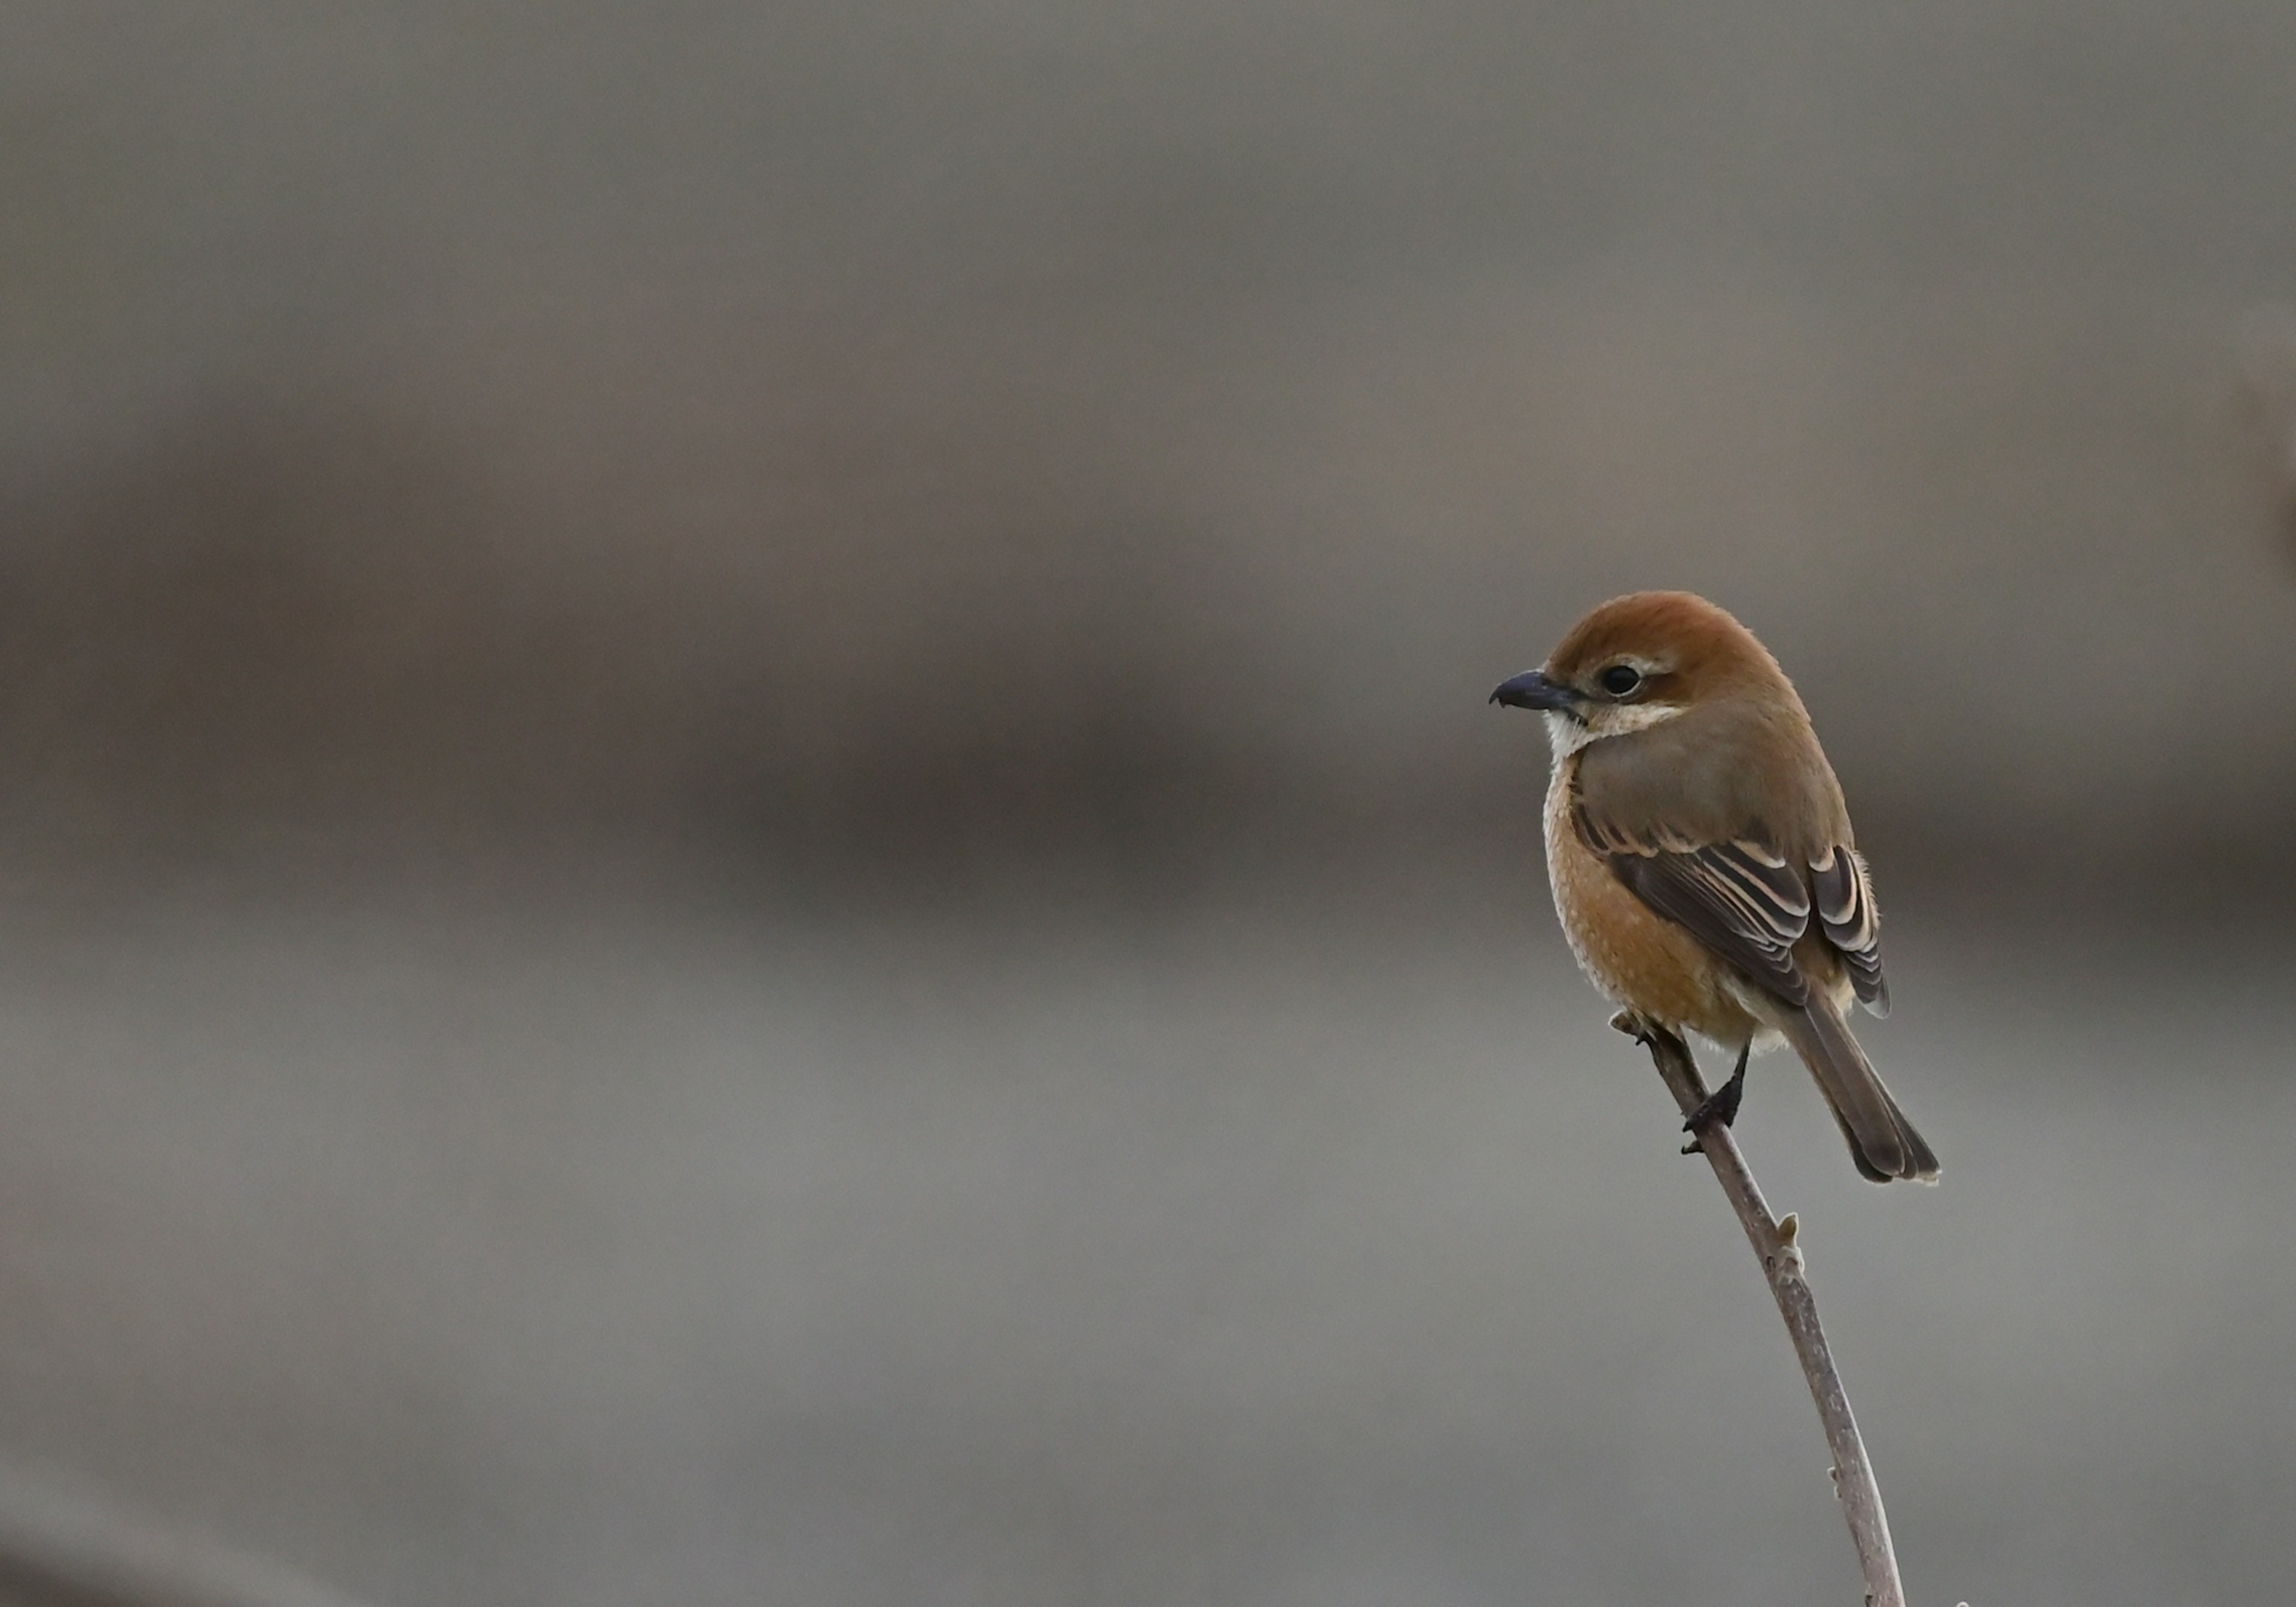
(1882, 1142)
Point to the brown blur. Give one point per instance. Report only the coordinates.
(753, 853)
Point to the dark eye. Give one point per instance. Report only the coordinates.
(1620, 679)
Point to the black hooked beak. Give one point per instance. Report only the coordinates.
(1533, 690)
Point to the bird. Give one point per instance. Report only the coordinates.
(1702, 859)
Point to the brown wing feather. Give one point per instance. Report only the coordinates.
(1737, 899)
(1731, 825)
(1843, 893)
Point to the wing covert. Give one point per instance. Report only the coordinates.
(1739, 898)
(1743, 898)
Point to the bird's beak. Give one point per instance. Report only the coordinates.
(1533, 690)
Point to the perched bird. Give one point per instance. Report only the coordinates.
(1702, 856)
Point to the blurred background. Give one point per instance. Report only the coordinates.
(751, 852)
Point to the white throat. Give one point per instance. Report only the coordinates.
(1568, 735)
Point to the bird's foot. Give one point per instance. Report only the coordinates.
(1721, 1105)
(1633, 1026)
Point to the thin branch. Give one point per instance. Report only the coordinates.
(1782, 1265)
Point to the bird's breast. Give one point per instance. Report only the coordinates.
(1636, 956)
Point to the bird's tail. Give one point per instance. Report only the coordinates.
(1882, 1142)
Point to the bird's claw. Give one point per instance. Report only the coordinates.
(1719, 1106)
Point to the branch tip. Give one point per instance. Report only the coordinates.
(1776, 1242)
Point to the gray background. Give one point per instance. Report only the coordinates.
(753, 856)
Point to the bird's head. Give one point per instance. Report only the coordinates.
(1641, 659)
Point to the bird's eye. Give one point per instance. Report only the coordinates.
(1620, 679)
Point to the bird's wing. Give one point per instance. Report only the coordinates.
(1739, 898)
(1844, 891)
(1679, 815)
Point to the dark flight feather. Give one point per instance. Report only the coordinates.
(1844, 891)
(1748, 911)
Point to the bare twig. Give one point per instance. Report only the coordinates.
(1782, 1265)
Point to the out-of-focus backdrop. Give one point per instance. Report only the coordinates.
(751, 852)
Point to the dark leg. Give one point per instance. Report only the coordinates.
(1722, 1105)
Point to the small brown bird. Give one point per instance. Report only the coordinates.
(1702, 856)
